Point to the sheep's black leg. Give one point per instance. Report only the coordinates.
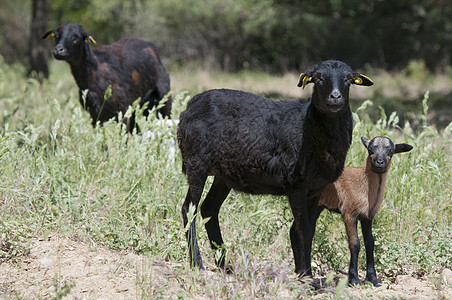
(163, 87)
(209, 209)
(371, 275)
(130, 123)
(353, 245)
(311, 219)
(319, 211)
(301, 233)
(193, 196)
(296, 247)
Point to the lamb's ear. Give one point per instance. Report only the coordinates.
(49, 35)
(365, 141)
(402, 148)
(360, 79)
(304, 79)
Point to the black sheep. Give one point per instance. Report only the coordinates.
(259, 146)
(130, 66)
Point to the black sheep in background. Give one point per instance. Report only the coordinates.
(260, 146)
(130, 66)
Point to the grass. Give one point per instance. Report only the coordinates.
(60, 175)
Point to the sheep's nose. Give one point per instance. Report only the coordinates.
(335, 95)
(59, 49)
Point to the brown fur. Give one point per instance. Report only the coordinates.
(362, 187)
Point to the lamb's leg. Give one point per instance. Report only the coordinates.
(371, 275)
(209, 209)
(353, 245)
(193, 196)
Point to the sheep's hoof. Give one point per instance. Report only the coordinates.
(374, 280)
(375, 283)
(197, 263)
(310, 281)
(225, 266)
(353, 282)
(228, 268)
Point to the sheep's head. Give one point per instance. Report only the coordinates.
(332, 80)
(71, 39)
(381, 149)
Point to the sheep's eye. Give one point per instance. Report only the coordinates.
(75, 41)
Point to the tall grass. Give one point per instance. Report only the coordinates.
(58, 174)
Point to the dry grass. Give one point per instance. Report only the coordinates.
(401, 84)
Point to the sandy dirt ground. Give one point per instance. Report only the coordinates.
(82, 271)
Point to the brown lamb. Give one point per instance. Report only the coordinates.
(357, 195)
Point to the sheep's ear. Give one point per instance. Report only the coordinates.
(360, 79)
(90, 38)
(402, 148)
(365, 141)
(49, 35)
(304, 79)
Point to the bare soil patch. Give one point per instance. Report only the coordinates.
(87, 271)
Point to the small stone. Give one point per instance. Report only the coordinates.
(446, 274)
(46, 262)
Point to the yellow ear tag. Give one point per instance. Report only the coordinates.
(366, 78)
(306, 80)
(92, 40)
(299, 78)
(50, 36)
(358, 80)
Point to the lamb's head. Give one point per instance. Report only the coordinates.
(381, 149)
(332, 80)
(71, 40)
